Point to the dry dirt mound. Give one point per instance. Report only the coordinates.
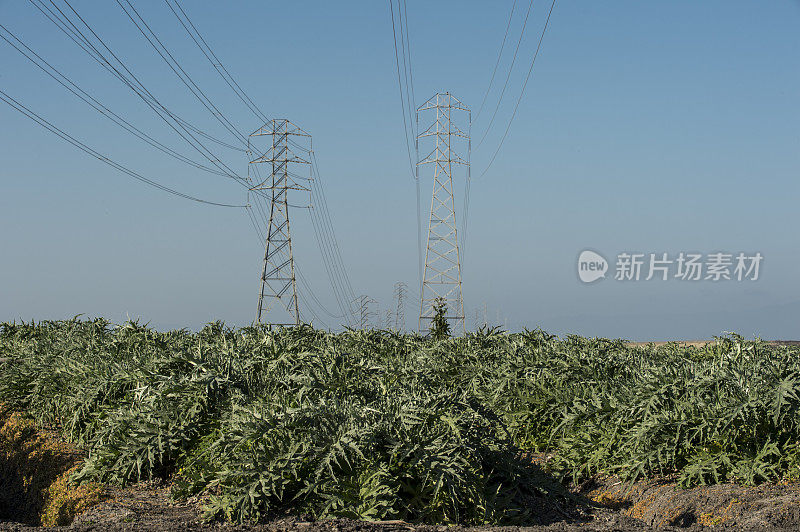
(660, 502)
(34, 489)
(648, 505)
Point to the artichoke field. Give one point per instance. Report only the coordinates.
(384, 425)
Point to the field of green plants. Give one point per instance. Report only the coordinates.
(384, 425)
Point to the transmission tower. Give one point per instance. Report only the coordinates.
(363, 310)
(400, 291)
(442, 277)
(277, 299)
(478, 322)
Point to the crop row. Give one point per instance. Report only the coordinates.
(382, 425)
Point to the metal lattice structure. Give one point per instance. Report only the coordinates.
(400, 291)
(442, 275)
(364, 313)
(284, 150)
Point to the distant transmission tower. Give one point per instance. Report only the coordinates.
(478, 322)
(442, 277)
(400, 291)
(363, 310)
(277, 299)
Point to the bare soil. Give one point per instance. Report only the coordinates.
(605, 505)
(31, 460)
(661, 503)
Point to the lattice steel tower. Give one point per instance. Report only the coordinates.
(363, 310)
(442, 276)
(278, 295)
(400, 291)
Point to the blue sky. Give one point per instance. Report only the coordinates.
(646, 127)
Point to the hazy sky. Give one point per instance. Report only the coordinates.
(647, 127)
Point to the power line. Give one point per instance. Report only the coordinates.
(333, 254)
(410, 71)
(327, 254)
(311, 310)
(76, 35)
(205, 135)
(307, 286)
(303, 280)
(173, 64)
(522, 92)
(195, 34)
(499, 56)
(253, 221)
(419, 228)
(248, 207)
(508, 77)
(329, 264)
(415, 125)
(322, 226)
(320, 218)
(400, 86)
(328, 244)
(68, 84)
(329, 221)
(412, 112)
(63, 23)
(363, 310)
(83, 147)
(406, 65)
(467, 188)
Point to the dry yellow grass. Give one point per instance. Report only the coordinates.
(37, 466)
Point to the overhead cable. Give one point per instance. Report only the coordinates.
(83, 147)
